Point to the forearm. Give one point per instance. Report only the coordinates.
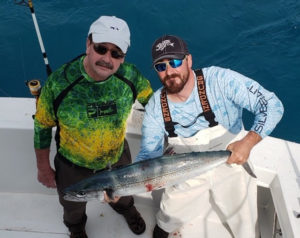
(250, 95)
(42, 158)
(45, 175)
(267, 108)
(251, 139)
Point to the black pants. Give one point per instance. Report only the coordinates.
(67, 173)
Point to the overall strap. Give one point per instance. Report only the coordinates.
(169, 124)
(207, 112)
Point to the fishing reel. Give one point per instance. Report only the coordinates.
(34, 86)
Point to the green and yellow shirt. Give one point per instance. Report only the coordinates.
(91, 117)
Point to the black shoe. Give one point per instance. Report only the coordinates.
(159, 233)
(134, 220)
(80, 234)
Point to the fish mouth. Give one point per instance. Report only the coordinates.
(73, 197)
(83, 196)
(79, 196)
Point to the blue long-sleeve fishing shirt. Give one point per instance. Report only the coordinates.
(228, 93)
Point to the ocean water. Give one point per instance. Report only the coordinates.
(260, 39)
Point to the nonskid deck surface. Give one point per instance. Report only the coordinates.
(30, 215)
(39, 215)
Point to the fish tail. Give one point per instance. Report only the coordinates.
(248, 169)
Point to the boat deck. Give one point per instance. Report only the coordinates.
(30, 215)
(29, 210)
(40, 215)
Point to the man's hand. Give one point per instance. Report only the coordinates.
(107, 199)
(47, 177)
(240, 150)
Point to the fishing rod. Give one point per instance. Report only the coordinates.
(38, 33)
(35, 85)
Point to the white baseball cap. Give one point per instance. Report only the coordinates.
(112, 30)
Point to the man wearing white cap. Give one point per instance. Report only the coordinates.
(89, 100)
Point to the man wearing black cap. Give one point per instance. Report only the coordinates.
(89, 100)
(201, 110)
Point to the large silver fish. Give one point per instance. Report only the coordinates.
(146, 175)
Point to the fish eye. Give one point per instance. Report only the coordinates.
(81, 194)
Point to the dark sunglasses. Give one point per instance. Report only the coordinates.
(102, 50)
(162, 66)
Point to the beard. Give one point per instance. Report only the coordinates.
(175, 83)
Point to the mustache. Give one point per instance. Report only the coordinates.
(104, 64)
(170, 76)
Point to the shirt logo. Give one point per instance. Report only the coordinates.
(95, 110)
(161, 46)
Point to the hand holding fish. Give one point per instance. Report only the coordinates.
(108, 199)
(240, 150)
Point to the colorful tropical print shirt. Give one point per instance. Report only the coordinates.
(91, 117)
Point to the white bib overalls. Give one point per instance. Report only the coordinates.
(219, 203)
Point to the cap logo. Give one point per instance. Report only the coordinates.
(114, 28)
(161, 46)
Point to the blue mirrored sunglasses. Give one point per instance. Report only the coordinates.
(162, 66)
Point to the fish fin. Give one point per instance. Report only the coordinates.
(248, 169)
(109, 193)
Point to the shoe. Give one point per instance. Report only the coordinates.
(134, 220)
(159, 233)
(80, 234)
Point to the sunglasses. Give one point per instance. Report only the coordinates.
(102, 50)
(162, 66)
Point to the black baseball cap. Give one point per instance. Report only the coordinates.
(170, 47)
